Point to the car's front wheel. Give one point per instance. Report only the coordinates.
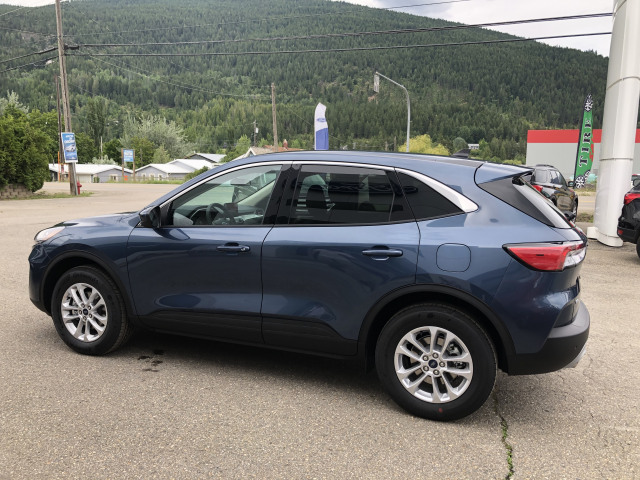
(88, 311)
(436, 362)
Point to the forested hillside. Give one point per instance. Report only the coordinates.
(493, 92)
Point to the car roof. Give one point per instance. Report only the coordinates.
(392, 159)
(451, 171)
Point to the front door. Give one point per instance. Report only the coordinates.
(200, 272)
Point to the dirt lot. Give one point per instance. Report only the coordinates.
(167, 407)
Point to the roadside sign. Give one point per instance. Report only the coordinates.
(127, 155)
(69, 149)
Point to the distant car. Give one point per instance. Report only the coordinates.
(629, 221)
(437, 271)
(549, 181)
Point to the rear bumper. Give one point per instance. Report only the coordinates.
(563, 348)
(627, 233)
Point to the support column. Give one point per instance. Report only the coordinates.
(619, 122)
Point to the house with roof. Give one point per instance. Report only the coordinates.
(264, 150)
(90, 173)
(211, 157)
(193, 164)
(162, 171)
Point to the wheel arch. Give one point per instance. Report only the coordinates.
(382, 312)
(75, 259)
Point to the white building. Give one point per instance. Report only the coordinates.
(211, 157)
(162, 171)
(559, 148)
(90, 173)
(193, 164)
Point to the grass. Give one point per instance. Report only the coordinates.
(585, 217)
(40, 195)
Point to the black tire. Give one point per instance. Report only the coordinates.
(466, 338)
(638, 247)
(97, 327)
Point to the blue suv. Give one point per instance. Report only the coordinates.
(437, 271)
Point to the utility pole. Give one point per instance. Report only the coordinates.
(65, 94)
(55, 77)
(273, 110)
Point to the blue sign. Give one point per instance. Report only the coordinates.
(69, 149)
(127, 155)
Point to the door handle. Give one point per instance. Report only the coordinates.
(233, 248)
(382, 252)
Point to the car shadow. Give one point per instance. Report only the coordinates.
(157, 348)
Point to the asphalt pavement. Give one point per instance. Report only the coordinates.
(171, 407)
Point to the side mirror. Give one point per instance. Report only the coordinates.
(570, 216)
(571, 184)
(150, 217)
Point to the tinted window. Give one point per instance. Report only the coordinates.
(555, 177)
(425, 201)
(328, 194)
(541, 176)
(236, 198)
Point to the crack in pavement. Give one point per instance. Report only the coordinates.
(505, 434)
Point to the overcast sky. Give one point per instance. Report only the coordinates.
(483, 11)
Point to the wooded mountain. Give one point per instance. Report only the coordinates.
(494, 92)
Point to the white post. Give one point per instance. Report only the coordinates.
(619, 122)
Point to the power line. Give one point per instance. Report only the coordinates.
(186, 87)
(29, 64)
(29, 32)
(265, 19)
(11, 11)
(182, 85)
(352, 34)
(338, 50)
(42, 52)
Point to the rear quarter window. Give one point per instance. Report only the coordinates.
(425, 202)
(521, 195)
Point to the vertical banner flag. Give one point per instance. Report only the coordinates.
(584, 157)
(69, 150)
(321, 128)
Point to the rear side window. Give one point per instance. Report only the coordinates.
(328, 194)
(425, 202)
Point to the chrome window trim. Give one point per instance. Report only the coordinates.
(343, 164)
(459, 200)
(282, 165)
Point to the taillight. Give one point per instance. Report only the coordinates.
(548, 257)
(537, 187)
(630, 197)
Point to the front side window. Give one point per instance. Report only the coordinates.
(327, 194)
(240, 197)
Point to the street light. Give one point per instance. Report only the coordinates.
(376, 88)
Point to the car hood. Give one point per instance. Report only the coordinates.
(129, 218)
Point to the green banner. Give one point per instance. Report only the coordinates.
(584, 157)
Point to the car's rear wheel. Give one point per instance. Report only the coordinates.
(436, 362)
(88, 312)
(638, 247)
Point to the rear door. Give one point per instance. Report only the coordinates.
(344, 238)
